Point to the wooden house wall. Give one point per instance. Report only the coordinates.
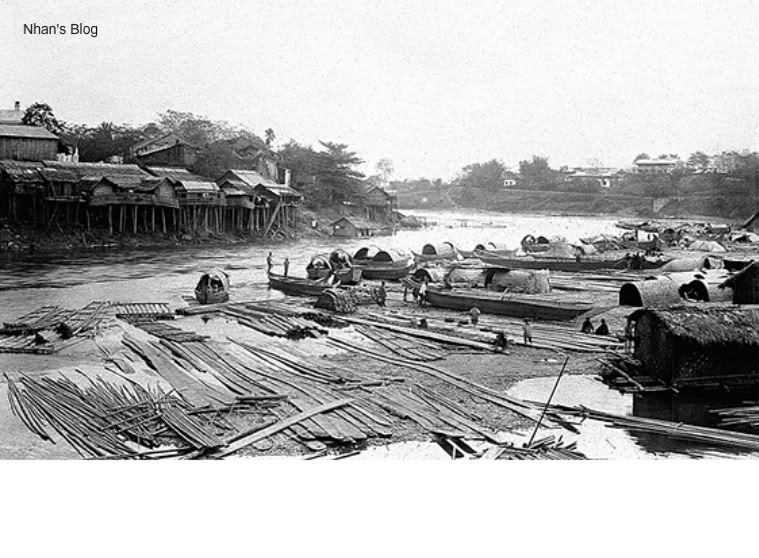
(175, 156)
(345, 229)
(28, 149)
(654, 347)
(746, 287)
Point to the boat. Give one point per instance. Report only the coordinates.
(444, 251)
(387, 265)
(338, 263)
(508, 304)
(213, 287)
(299, 286)
(491, 246)
(564, 264)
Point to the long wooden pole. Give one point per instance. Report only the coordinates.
(543, 413)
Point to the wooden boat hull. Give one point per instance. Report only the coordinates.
(385, 271)
(424, 258)
(297, 286)
(346, 276)
(204, 296)
(512, 305)
(564, 264)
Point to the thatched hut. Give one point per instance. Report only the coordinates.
(671, 289)
(686, 344)
(745, 284)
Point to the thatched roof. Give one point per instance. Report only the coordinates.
(730, 282)
(707, 324)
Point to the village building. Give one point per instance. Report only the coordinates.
(379, 204)
(259, 204)
(169, 150)
(606, 177)
(12, 116)
(745, 284)
(28, 143)
(201, 203)
(351, 227)
(661, 165)
(693, 344)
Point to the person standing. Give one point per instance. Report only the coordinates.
(382, 295)
(527, 332)
(269, 263)
(405, 292)
(286, 265)
(474, 315)
(423, 293)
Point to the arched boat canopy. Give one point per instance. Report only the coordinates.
(320, 261)
(439, 249)
(341, 258)
(215, 276)
(366, 253)
(389, 255)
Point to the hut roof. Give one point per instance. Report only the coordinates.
(83, 170)
(11, 116)
(730, 281)
(248, 180)
(355, 221)
(159, 143)
(200, 186)
(175, 174)
(708, 324)
(59, 175)
(32, 132)
(20, 171)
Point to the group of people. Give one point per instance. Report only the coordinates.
(588, 327)
(418, 292)
(270, 264)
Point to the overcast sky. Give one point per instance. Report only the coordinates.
(433, 86)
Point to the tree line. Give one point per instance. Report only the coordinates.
(326, 175)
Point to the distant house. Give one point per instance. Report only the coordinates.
(379, 204)
(662, 165)
(745, 284)
(683, 345)
(269, 203)
(605, 176)
(27, 143)
(12, 117)
(169, 150)
(351, 227)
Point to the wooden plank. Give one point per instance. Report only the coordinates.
(278, 427)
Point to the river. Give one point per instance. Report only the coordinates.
(73, 279)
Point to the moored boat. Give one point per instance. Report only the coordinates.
(213, 287)
(298, 286)
(565, 264)
(388, 265)
(445, 251)
(508, 304)
(338, 263)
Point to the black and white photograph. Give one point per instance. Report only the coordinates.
(429, 240)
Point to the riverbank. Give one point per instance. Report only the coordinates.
(25, 239)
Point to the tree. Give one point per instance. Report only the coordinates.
(270, 136)
(537, 174)
(699, 161)
(385, 168)
(641, 156)
(196, 130)
(336, 175)
(486, 176)
(41, 114)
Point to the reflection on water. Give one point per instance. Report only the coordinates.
(74, 279)
(597, 440)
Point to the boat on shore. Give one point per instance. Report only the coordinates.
(213, 287)
(386, 265)
(508, 304)
(338, 263)
(298, 286)
(564, 264)
(444, 251)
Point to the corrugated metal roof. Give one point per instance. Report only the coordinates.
(240, 178)
(33, 132)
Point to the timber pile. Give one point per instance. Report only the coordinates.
(165, 331)
(335, 300)
(35, 332)
(546, 448)
(129, 311)
(108, 421)
(49, 317)
(291, 326)
(528, 410)
(701, 434)
(404, 346)
(747, 415)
